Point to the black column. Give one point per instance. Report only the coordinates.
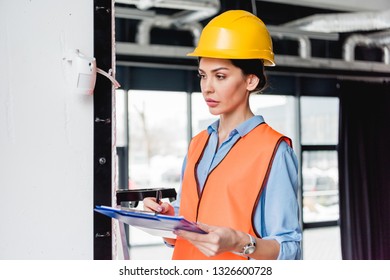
(102, 128)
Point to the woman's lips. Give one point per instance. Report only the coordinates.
(211, 102)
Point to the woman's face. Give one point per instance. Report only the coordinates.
(224, 87)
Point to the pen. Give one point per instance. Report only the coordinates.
(158, 198)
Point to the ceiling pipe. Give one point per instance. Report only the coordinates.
(377, 40)
(144, 28)
(189, 20)
(195, 28)
(133, 13)
(304, 45)
(386, 54)
(192, 12)
(343, 22)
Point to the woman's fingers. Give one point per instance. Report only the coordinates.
(150, 204)
(204, 242)
(205, 227)
(216, 241)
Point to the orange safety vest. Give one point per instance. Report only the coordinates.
(232, 189)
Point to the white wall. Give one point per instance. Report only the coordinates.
(46, 132)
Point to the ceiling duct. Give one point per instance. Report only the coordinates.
(378, 40)
(304, 46)
(145, 26)
(188, 18)
(343, 22)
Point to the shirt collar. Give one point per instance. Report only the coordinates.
(242, 129)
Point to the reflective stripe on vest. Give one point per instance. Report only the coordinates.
(232, 189)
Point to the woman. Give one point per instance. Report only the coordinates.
(239, 179)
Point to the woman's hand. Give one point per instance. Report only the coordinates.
(217, 240)
(222, 239)
(165, 208)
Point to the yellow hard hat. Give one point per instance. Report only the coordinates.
(235, 34)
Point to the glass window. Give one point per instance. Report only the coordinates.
(158, 140)
(319, 120)
(320, 186)
(157, 146)
(278, 112)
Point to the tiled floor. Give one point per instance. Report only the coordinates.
(318, 244)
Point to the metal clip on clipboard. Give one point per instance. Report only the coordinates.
(135, 196)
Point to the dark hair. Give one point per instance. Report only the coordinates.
(255, 67)
(251, 66)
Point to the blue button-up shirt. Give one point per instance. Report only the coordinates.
(276, 216)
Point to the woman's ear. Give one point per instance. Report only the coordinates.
(252, 82)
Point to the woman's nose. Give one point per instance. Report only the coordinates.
(207, 86)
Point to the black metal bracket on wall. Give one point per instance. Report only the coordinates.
(102, 129)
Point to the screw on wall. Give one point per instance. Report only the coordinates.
(106, 121)
(102, 160)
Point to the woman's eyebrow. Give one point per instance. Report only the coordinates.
(214, 70)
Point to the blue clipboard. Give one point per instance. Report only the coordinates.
(155, 224)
